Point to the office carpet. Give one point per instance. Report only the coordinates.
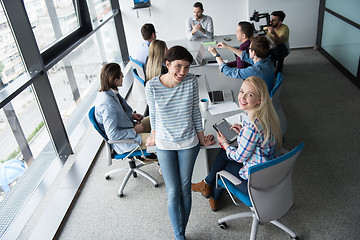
(323, 110)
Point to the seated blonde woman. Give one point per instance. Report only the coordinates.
(154, 65)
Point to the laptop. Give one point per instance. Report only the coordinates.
(197, 61)
(218, 95)
(141, 4)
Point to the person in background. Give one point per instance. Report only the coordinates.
(244, 31)
(114, 116)
(148, 33)
(200, 25)
(177, 131)
(259, 140)
(258, 57)
(279, 35)
(154, 65)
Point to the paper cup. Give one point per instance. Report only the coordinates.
(204, 104)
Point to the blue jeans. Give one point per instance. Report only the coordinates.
(177, 168)
(222, 162)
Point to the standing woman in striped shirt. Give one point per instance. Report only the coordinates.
(177, 131)
(259, 140)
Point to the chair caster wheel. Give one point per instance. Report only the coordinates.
(134, 174)
(295, 238)
(156, 185)
(223, 225)
(120, 195)
(107, 177)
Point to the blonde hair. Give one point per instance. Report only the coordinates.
(265, 112)
(156, 58)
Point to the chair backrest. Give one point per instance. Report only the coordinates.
(138, 66)
(137, 77)
(277, 86)
(95, 124)
(136, 98)
(270, 186)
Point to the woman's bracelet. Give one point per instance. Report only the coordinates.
(222, 143)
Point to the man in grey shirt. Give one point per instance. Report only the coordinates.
(200, 25)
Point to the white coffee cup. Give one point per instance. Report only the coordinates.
(204, 104)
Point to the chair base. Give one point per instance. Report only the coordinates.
(223, 225)
(133, 169)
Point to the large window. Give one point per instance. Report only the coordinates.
(51, 20)
(43, 103)
(11, 66)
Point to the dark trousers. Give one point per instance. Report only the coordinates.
(222, 162)
(278, 55)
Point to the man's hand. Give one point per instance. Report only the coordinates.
(139, 128)
(271, 30)
(137, 117)
(196, 28)
(222, 45)
(212, 50)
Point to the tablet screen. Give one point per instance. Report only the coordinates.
(224, 128)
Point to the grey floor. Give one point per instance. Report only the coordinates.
(323, 111)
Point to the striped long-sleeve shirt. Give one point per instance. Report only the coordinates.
(174, 113)
(251, 150)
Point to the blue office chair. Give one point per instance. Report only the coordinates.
(111, 155)
(275, 97)
(139, 66)
(270, 193)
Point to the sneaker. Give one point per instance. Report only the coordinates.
(202, 187)
(214, 204)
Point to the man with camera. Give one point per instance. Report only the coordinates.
(278, 33)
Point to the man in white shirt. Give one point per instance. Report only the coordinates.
(148, 33)
(200, 25)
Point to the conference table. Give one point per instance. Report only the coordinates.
(216, 81)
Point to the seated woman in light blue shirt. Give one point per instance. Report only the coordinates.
(258, 57)
(114, 116)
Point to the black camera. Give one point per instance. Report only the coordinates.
(256, 17)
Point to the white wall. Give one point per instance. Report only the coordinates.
(168, 17)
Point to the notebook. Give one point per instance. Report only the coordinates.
(218, 95)
(199, 57)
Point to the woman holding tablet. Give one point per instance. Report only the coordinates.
(258, 140)
(177, 131)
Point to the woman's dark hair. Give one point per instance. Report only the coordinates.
(178, 53)
(108, 74)
(261, 46)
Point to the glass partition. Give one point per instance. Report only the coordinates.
(343, 44)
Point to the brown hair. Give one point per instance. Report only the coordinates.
(147, 30)
(108, 74)
(178, 53)
(261, 46)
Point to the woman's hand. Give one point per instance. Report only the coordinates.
(208, 140)
(236, 127)
(150, 141)
(220, 137)
(212, 50)
(139, 128)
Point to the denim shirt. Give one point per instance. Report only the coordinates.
(263, 68)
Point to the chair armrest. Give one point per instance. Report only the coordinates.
(130, 141)
(234, 180)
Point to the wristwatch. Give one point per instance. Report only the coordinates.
(217, 55)
(222, 143)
